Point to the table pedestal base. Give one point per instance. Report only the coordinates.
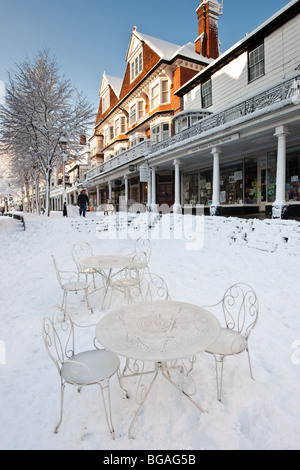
(163, 368)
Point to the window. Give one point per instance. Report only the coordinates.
(108, 134)
(206, 91)
(155, 96)
(256, 63)
(136, 111)
(160, 94)
(120, 126)
(164, 92)
(160, 132)
(133, 114)
(136, 66)
(105, 101)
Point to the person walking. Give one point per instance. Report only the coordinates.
(83, 200)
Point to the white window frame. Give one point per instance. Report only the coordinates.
(105, 101)
(162, 93)
(120, 128)
(136, 65)
(108, 134)
(136, 111)
(206, 94)
(159, 131)
(256, 62)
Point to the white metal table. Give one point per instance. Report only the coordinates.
(160, 332)
(105, 265)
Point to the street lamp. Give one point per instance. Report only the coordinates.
(63, 145)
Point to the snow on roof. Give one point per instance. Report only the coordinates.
(239, 43)
(114, 82)
(167, 50)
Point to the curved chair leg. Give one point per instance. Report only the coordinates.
(62, 391)
(219, 360)
(250, 367)
(107, 406)
(88, 300)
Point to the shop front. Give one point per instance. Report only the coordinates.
(247, 185)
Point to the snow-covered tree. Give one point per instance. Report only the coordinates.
(40, 107)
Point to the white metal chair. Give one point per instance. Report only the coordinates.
(239, 309)
(83, 250)
(69, 281)
(88, 367)
(129, 279)
(142, 254)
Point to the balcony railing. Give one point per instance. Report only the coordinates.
(274, 95)
(127, 156)
(263, 100)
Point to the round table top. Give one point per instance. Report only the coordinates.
(106, 261)
(158, 330)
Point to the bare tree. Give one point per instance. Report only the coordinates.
(41, 107)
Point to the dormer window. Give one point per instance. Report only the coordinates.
(136, 66)
(105, 101)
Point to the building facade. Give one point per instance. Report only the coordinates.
(220, 132)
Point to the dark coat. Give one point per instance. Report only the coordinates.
(82, 199)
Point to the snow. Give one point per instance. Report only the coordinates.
(260, 414)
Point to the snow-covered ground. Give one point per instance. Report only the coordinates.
(260, 414)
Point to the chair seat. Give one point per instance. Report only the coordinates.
(90, 367)
(75, 286)
(126, 282)
(87, 271)
(229, 343)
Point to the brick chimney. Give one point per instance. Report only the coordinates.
(207, 43)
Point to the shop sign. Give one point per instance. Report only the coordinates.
(145, 174)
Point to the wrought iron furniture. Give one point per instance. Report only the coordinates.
(88, 367)
(69, 281)
(141, 255)
(239, 309)
(83, 250)
(160, 332)
(108, 266)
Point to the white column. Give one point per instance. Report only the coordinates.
(154, 206)
(126, 192)
(149, 194)
(216, 208)
(280, 206)
(109, 192)
(98, 195)
(177, 206)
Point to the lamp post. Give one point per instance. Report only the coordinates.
(63, 145)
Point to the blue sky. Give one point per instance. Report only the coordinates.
(89, 37)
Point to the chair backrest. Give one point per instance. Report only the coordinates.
(58, 333)
(57, 271)
(240, 308)
(81, 250)
(157, 288)
(143, 245)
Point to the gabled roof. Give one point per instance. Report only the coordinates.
(164, 49)
(114, 82)
(274, 22)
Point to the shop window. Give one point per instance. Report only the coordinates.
(191, 188)
(293, 175)
(256, 63)
(231, 183)
(251, 185)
